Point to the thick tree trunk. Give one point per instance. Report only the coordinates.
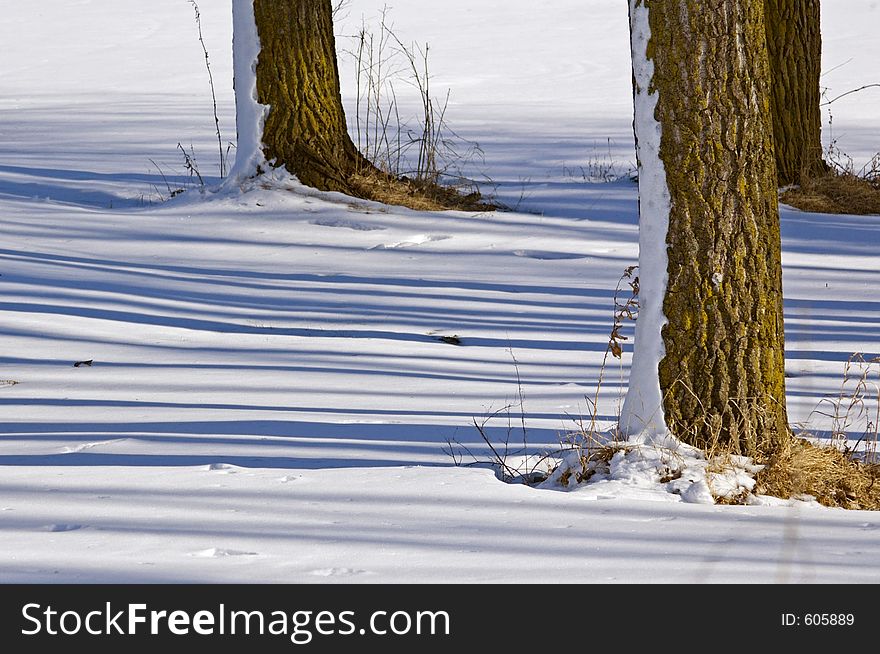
(709, 183)
(794, 42)
(298, 78)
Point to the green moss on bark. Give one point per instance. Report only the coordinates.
(723, 373)
(298, 77)
(794, 43)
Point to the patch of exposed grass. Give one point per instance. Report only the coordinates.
(831, 476)
(844, 471)
(421, 195)
(837, 192)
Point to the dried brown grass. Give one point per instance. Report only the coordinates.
(836, 194)
(417, 194)
(839, 190)
(840, 472)
(826, 473)
(833, 473)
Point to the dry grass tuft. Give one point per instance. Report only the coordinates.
(844, 471)
(824, 472)
(835, 474)
(835, 193)
(417, 194)
(743, 427)
(841, 189)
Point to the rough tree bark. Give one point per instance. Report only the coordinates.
(708, 180)
(794, 42)
(298, 78)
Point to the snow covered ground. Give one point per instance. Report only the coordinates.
(269, 398)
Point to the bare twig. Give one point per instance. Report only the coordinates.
(382, 59)
(522, 400)
(189, 162)
(498, 458)
(623, 311)
(339, 6)
(211, 81)
(843, 95)
(850, 409)
(171, 192)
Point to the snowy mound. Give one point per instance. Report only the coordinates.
(658, 467)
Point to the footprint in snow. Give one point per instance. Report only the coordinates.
(87, 446)
(548, 256)
(221, 467)
(337, 572)
(62, 527)
(419, 239)
(346, 224)
(217, 553)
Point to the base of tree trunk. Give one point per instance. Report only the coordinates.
(721, 376)
(419, 195)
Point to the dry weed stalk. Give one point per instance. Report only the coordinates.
(592, 445)
(625, 310)
(601, 167)
(198, 18)
(855, 408)
(843, 472)
(419, 167)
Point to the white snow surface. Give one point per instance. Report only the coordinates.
(643, 406)
(269, 398)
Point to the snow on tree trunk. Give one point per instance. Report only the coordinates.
(287, 92)
(643, 407)
(250, 115)
(794, 41)
(709, 364)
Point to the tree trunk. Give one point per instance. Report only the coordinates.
(794, 42)
(298, 78)
(709, 363)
